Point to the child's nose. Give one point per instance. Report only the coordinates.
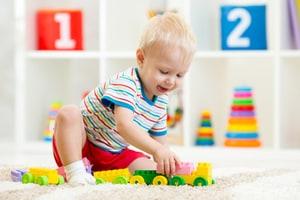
(170, 81)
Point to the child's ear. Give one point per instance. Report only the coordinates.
(140, 57)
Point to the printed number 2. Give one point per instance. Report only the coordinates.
(64, 41)
(234, 39)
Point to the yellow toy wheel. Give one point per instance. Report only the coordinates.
(160, 180)
(137, 179)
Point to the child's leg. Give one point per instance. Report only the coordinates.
(70, 135)
(69, 140)
(142, 163)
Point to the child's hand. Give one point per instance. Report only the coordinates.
(166, 161)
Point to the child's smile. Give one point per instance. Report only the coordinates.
(162, 89)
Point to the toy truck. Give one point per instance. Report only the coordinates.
(42, 176)
(202, 176)
(186, 174)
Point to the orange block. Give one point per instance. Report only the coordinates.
(242, 120)
(205, 134)
(242, 143)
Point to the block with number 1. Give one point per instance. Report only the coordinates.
(59, 30)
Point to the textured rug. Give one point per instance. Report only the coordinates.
(231, 183)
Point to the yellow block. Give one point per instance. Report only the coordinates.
(205, 130)
(241, 128)
(50, 173)
(110, 175)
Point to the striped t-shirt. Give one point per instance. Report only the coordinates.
(123, 89)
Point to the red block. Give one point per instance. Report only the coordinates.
(59, 30)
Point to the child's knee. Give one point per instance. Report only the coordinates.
(68, 114)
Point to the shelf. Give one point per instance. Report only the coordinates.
(120, 55)
(290, 54)
(234, 54)
(63, 54)
(131, 54)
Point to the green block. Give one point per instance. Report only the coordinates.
(148, 175)
(240, 102)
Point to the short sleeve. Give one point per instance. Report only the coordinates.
(121, 92)
(160, 128)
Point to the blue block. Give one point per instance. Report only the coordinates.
(205, 143)
(205, 124)
(243, 27)
(246, 135)
(242, 89)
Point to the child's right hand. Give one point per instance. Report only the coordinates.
(166, 161)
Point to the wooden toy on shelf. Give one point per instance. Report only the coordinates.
(242, 129)
(205, 133)
(49, 131)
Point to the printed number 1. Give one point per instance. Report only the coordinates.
(234, 39)
(64, 41)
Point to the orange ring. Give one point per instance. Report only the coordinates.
(242, 143)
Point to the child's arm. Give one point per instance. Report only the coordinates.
(161, 139)
(166, 159)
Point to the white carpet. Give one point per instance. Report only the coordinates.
(239, 174)
(231, 183)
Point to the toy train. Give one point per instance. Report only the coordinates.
(185, 174)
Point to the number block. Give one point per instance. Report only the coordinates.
(59, 30)
(243, 27)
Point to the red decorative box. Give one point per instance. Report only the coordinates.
(59, 30)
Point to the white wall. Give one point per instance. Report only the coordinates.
(6, 69)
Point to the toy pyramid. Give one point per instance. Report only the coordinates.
(48, 133)
(242, 124)
(205, 130)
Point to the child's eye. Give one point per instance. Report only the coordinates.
(179, 75)
(163, 72)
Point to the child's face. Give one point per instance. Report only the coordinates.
(161, 69)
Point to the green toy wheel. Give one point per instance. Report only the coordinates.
(61, 180)
(27, 178)
(213, 181)
(99, 181)
(137, 179)
(199, 181)
(120, 180)
(42, 180)
(177, 180)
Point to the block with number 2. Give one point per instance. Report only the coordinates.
(59, 30)
(243, 27)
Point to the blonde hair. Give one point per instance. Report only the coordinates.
(169, 29)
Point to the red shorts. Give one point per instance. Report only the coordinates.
(101, 159)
